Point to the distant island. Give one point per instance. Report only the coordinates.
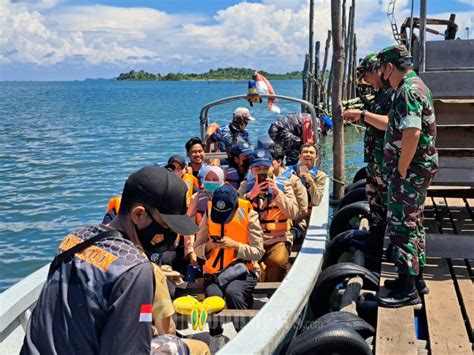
(218, 74)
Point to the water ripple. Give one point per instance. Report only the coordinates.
(67, 147)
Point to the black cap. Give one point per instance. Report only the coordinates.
(177, 158)
(224, 204)
(163, 190)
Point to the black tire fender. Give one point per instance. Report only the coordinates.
(355, 185)
(342, 218)
(332, 339)
(343, 242)
(347, 319)
(361, 174)
(331, 277)
(352, 196)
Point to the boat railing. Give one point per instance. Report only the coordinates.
(305, 105)
(282, 315)
(16, 304)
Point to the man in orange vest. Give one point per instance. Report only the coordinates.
(177, 164)
(230, 240)
(275, 202)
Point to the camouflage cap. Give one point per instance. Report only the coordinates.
(366, 64)
(397, 54)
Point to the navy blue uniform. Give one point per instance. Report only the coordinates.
(98, 302)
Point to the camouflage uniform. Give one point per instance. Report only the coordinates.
(376, 186)
(412, 108)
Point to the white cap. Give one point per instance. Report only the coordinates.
(243, 112)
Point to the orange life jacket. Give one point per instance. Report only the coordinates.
(237, 229)
(114, 204)
(272, 218)
(192, 183)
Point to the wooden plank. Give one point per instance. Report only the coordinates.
(454, 112)
(446, 55)
(390, 339)
(466, 292)
(455, 136)
(446, 331)
(456, 152)
(440, 213)
(462, 219)
(267, 288)
(451, 191)
(454, 176)
(239, 317)
(450, 246)
(451, 84)
(456, 162)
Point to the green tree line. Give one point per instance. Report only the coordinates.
(213, 74)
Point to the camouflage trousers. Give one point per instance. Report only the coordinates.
(405, 203)
(376, 189)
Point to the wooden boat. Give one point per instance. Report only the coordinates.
(267, 328)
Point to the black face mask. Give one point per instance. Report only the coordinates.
(246, 164)
(239, 123)
(146, 235)
(385, 82)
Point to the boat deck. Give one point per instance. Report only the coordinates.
(444, 324)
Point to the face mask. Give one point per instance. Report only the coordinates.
(146, 235)
(246, 164)
(211, 186)
(385, 82)
(239, 123)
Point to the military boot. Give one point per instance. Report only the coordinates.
(406, 295)
(419, 284)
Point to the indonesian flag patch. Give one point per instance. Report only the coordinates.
(145, 312)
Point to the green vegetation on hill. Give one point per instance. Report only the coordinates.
(218, 74)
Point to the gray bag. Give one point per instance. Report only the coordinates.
(231, 273)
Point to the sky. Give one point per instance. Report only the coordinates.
(79, 39)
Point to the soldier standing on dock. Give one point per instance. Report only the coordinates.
(411, 161)
(376, 187)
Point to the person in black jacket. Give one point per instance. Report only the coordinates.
(289, 132)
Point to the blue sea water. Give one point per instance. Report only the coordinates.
(67, 147)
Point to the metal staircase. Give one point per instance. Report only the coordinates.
(393, 21)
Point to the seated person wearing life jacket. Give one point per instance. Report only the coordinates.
(239, 161)
(291, 132)
(275, 202)
(177, 164)
(235, 132)
(213, 178)
(230, 240)
(112, 210)
(195, 152)
(283, 173)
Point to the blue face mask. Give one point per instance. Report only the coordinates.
(211, 186)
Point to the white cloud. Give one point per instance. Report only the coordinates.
(271, 35)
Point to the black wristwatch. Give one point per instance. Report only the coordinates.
(362, 114)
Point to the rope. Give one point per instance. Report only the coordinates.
(341, 182)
